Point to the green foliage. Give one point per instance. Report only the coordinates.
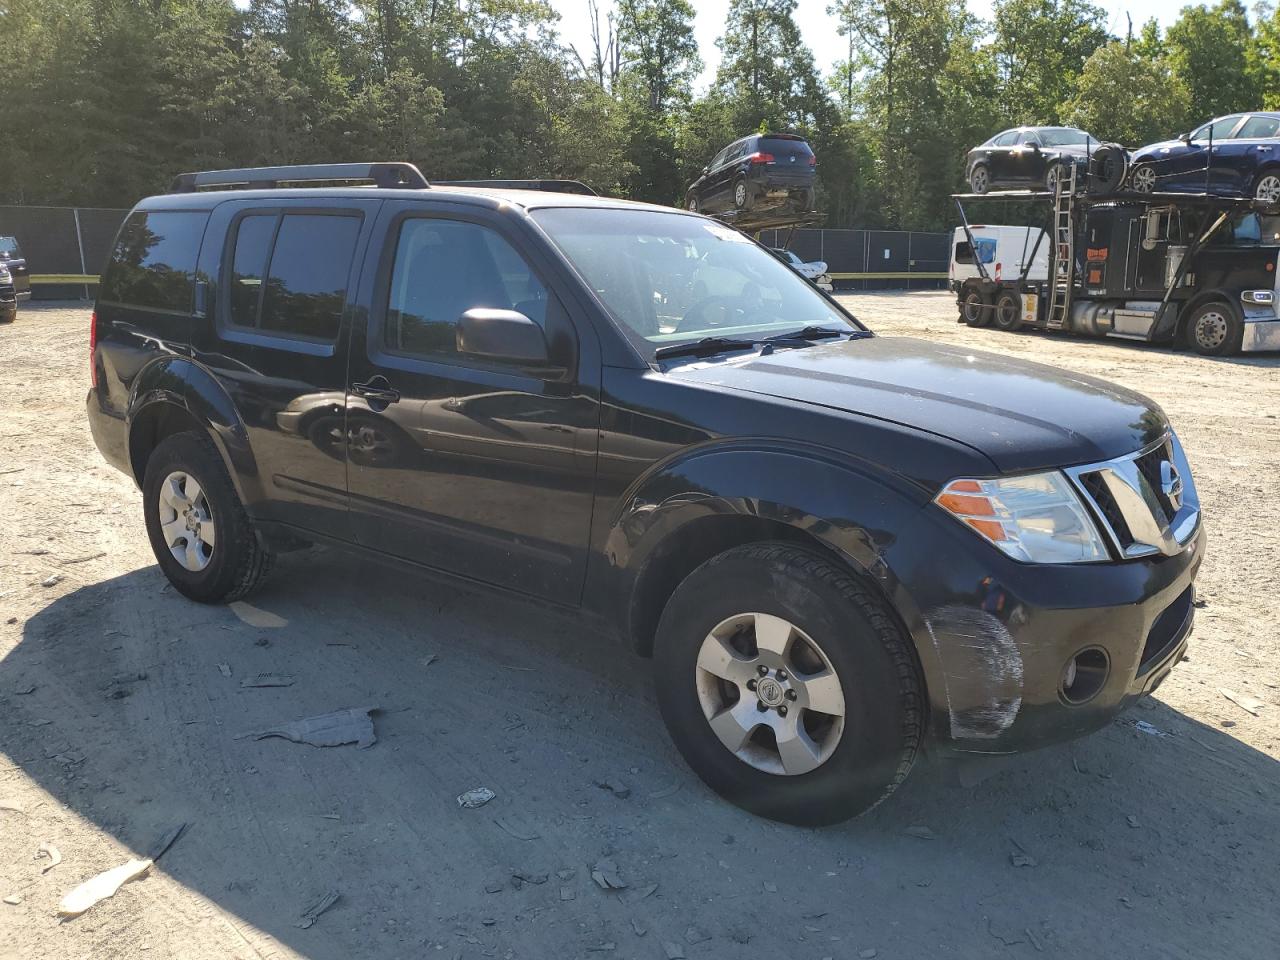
(111, 98)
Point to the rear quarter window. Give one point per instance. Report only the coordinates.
(154, 259)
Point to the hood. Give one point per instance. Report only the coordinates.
(1162, 145)
(1023, 416)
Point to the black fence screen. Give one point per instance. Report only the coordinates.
(62, 245)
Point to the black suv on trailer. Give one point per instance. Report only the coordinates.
(835, 550)
(763, 170)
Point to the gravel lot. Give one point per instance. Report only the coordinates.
(121, 702)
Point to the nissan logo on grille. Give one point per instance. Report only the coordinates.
(1171, 484)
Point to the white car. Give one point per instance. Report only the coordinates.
(814, 271)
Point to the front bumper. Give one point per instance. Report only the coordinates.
(1260, 333)
(995, 638)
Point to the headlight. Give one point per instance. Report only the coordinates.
(1036, 518)
(1259, 297)
(4, 274)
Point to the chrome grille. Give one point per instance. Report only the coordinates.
(1146, 502)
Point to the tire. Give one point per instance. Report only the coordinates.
(1214, 329)
(1007, 311)
(235, 562)
(1055, 172)
(979, 179)
(808, 201)
(741, 194)
(1108, 168)
(975, 308)
(791, 592)
(1267, 186)
(1142, 178)
(691, 204)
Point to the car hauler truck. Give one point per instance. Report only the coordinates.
(1175, 268)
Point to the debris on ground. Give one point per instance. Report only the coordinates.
(92, 556)
(567, 893)
(920, 831)
(475, 797)
(1132, 821)
(350, 725)
(1022, 860)
(99, 888)
(50, 851)
(641, 893)
(494, 886)
(694, 936)
(528, 876)
(616, 787)
(429, 659)
(23, 691)
(868, 953)
(13, 899)
(605, 874)
(1149, 729)
(673, 950)
(517, 828)
(51, 581)
(606, 947)
(319, 906)
(255, 617)
(224, 669)
(1242, 700)
(269, 680)
(638, 927)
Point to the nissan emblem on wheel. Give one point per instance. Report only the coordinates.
(838, 550)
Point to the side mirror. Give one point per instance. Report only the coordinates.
(1185, 137)
(506, 335)
(1034, 146)
(705, 171)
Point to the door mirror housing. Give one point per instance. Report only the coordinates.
(1185, 137)
(705, 171)
(505, 335)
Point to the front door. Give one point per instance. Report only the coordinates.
(469, 465)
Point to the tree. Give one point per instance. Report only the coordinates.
(1210, 49)
(659, 48)
(1039, 49)
(1128, 98)
(766, 72)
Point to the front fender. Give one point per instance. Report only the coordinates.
(850, 509)
(179, 381)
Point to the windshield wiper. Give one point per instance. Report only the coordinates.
(708, 346)
(821, 333)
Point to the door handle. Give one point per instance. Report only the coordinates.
(377, 390)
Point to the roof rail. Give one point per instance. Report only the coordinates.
(385, 175)
(550, 186)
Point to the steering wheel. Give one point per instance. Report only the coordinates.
(699, 315)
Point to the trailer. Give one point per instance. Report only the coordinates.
(1173, 268)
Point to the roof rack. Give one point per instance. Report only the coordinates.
(384, 175)
(550, 186)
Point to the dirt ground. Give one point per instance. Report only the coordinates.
(121, 706)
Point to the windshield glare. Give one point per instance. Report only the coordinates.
(674, 278)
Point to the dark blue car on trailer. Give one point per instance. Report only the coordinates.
(1235, 155)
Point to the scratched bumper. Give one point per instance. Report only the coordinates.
(995, 637)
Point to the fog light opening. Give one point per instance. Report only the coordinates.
(1084, 675)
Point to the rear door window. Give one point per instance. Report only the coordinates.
(1258, 128)
(289, 272)
(1006, 139)
(153, 262)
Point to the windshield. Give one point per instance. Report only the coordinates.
(669, 278)
(1062, 136)
(9, 247)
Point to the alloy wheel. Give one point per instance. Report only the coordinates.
(1143, 179)
(978, 180)
(770, 694)
(740, 194)
(1211, 329)
(186, 522)
(1268, 188)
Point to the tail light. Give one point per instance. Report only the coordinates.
(759, 157)
(813, 160)
(93, 345)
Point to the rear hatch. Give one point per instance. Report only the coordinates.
(793, 160)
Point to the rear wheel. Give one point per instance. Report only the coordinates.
(1007, 312)
(691, 204)
(787, 685)
(199, 531)
(975, 308)
(1267, 187)
(741, 195)
(1056, 172)
(979, 179)
(1214, 330)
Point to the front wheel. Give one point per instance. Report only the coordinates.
(979, 179)
(1143, 178)
(1214, 330)
(787, 685)
(199, 531)
(1267, 189)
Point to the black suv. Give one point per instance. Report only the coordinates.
(836, 547)
(762, 171)
(15, 264)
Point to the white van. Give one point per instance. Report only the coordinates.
(1004, 251)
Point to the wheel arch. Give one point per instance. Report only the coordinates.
(1215, 295)
(175, 395)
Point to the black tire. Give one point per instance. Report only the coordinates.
(237, 561)
(975, 307)
(1215, 329)
(691, 204)
(867, 650)
(808, 201)
(1108, 168)
(1057, 171)
(741, 194)
(1007, 311)
(979, 178)
(1143, 178)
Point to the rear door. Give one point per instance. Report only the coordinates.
(999, 158)
(282, 276)
(476, 467)
(1253, 145)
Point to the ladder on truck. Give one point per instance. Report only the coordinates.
(1062, 272)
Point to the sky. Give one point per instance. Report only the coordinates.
(818, 29)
